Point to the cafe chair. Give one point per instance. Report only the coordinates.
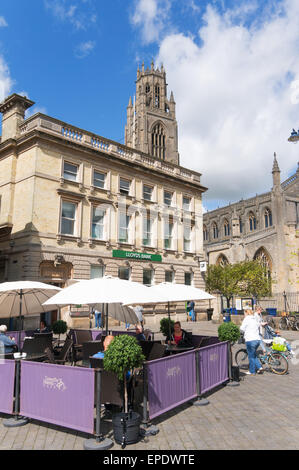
(63, 355)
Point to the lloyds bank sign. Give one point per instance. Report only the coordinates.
(136, 256)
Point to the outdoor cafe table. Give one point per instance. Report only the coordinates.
(178, 349)
(34, 357)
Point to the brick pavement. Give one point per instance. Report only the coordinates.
(262, 413)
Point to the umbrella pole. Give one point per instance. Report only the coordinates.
(106, 319)
(169, 320)
(20, 320)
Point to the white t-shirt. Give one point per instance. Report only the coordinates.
(250, 327)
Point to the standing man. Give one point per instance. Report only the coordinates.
(98, 318)
(191, 306)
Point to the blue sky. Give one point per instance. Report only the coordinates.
(232, 65)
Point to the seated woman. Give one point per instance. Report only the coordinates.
(6, 341)
(179, 337)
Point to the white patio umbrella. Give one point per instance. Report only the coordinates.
(174, 293)
(24, 298)
(105, 290)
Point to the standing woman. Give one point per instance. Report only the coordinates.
(250, 328)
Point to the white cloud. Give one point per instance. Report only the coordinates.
(80, 17)
(84, 49)
(232, 85)
(6, 81)
(3, 22)
(150, 16)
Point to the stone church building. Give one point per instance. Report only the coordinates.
(264, 227)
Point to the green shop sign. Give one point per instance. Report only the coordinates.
(134, 255)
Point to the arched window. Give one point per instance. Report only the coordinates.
(252, 222)
(215, 230)
(222, 260)
(226, 228)
(264, 258)
(147, 88)
(157, 96)
(205, 233)
(241, 225)
(158, 142)
(268, 218)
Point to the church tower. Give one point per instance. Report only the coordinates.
(151, 123)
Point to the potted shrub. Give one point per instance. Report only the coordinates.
(59, 327)
(122, 356)
(230, 332)
(164, 326)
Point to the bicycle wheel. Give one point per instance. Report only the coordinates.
(278, 363)
(241, 358)
(293, 322)
(283, 325)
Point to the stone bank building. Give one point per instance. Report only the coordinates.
(75, 205)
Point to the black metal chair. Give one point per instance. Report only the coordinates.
(80, 337)
(63, 355)
(88, 349)
(37, 345)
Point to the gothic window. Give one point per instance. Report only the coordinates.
(147, 88)
(215, 230)
(263, 257)
(222, 261)
(240, 224)
(157, 96)
(158, 142)
(252, 222)
(268, 218)
(226, 228)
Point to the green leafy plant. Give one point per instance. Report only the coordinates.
(122, 355)
(59, 327)
(228, 332)
(164, 326)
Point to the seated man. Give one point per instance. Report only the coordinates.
(43, 328)
(179, 337)
(9, 343)
(139, 333)
(107, 341)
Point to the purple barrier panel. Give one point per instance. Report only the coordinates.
(96, 335)
(7, 378)
(57, 394)
(213, 366)
(171, 382)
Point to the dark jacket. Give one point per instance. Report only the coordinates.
(186, 340)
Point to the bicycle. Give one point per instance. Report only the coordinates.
(275, 360)
(287, 321)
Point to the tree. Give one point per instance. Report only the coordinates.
(222, 280)
(246, 279)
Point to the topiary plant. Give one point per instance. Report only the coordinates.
(122, 355)
(164, 326)
(229, 332)
(59, 327)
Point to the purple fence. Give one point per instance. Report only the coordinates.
(56, 394)
(96, 335)
(7, 378)
(171, 382)
(213, 366)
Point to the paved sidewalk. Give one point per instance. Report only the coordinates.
(262, 413)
